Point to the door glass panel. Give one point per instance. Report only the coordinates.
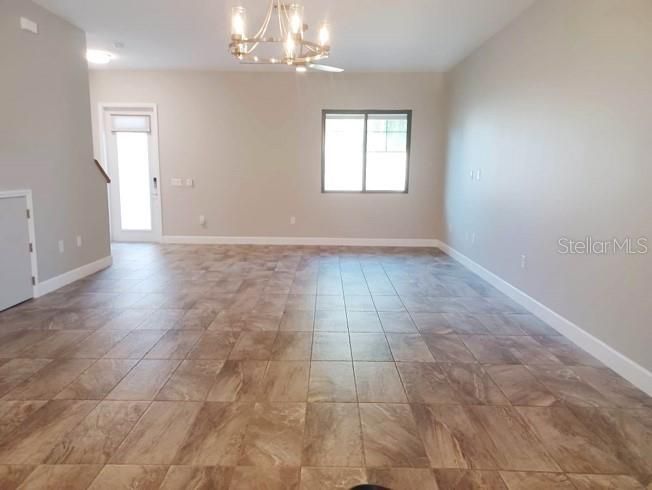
(134, 177)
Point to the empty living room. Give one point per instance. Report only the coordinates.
(326, 245)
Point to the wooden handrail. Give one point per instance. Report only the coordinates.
(101, 169)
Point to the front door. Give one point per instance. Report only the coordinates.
(132, 152)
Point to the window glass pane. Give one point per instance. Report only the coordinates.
(344, 151)
(386, 171)
(396, 142)
(397, 124)
(130, 123)
(133, 174)
(387, 164)
(375, 124)
(376, 141)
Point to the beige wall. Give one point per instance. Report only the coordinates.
(45, 136)
(557, 113)
(252, 142)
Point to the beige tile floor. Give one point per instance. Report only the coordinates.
(241, 367)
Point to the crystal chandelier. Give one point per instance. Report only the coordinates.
(289, 39)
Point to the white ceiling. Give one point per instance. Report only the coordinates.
(367, 35)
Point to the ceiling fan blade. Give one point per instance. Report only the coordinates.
(331, 69)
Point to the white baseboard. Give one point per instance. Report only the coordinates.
(273, 240)
(627, 368)
(66, 278)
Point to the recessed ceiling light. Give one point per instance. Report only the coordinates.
(98, 57)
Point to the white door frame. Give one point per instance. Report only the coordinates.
(152, 110)
(27, 194)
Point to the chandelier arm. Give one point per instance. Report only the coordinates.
(280, 11)
(263, 27)
(314, 48)
(285, 13)
(309, 45)
(268, 17)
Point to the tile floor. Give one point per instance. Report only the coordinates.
(241, 367)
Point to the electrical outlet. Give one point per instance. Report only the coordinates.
(61, 247)
(523, 261)
(79, 240)
(202, 220)
(293, 220)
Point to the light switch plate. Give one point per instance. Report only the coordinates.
(176, 182)
(28, 25)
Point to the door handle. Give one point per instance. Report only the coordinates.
(155, 183)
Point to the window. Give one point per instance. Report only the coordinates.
(365, 151)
